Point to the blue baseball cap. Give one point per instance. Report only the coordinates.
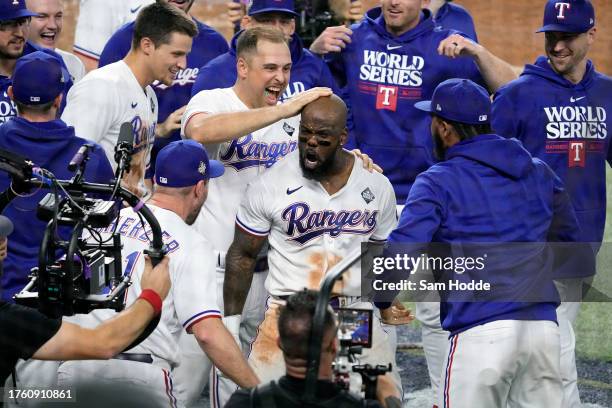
(459, 100)
(183, 163)
(568, 16)
(13, 9)
(38, 78)
(269, 6)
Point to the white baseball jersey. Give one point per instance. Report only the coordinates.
(244, 159)
(309, 230)
(99, 19)
(75, 66)
(104, 99)
(193, 295)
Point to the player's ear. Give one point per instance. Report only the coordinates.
(591, 35)
(242, 67)
(245, 21)
(57, 102)
(344, 136)
(9, 92)
(146, 45)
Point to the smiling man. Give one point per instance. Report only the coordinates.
(567, 126)
(45, 29)
(122, 92)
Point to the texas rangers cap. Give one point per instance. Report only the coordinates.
(13, 9)
(568, 16)
(38, 78)
(183, 163)
(459, 100)
(268, 6)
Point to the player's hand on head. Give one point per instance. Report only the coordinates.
(3, 248)
(235, 11)
(456, 45)
(172, 123)
(333, 39)
(158, 278)
(294, 105)
(396, 314)
(368, 163)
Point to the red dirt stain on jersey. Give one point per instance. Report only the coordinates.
(319, 266)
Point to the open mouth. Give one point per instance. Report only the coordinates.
(48, 37)
(272, 94)
(310, 160)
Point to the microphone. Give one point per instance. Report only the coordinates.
(125, 145)
(78, 158)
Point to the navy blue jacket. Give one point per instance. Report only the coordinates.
(8, 109)
(478, 195)
(567, 126)
(49, 145)
(207, 45)
(454, 17)
(307, 71)
(386, 75)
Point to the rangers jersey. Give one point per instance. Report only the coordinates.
(309, 231)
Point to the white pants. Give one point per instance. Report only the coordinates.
(267, 358)
(32, 374)
(192, 373)
(506, 363)
(221, 387)
(118, 383)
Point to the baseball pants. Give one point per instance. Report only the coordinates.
(32, 374)
(267, 361)
(221, 387)
(192, 373)
(505, 363)
(118, 383)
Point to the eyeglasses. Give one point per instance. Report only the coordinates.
(13, 24)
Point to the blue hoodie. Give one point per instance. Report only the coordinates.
(49, 145)
(454, 17)
(477, 195)
(567, 126)
(307, 71)
(207, 45)
(8, 109)
(384, 76)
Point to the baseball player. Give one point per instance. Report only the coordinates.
(307, 70)
(504, 351)
(45, 29)
(97, 21)
(14, 29)
(121, 92)
(182, 176)
(313, 208)
(566, 124)
(172, 99)
(397, 57)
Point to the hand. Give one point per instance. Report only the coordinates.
(3, 248)
(346, 9)
(293, 106)
(158, 278)
(235, 11)
(333, 39)
(368, 163)
(356, 11)
(396, 314)
(385, 388)
(172, 123)
(457, 45)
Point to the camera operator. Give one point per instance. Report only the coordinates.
(36, 133)
(294, 326)
(26, 333)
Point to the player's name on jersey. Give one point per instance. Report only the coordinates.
(425, 285)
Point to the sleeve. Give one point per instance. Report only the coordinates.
(203, 102)
(388, 216)
(253, 216)
(25, 330)
(91, 108)
(503, 115)
(116, 48)
(95, 25)
(564, 226)
(195, 287)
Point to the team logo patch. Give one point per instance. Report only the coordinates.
(202, 168)
(288, 128)
(367, 195)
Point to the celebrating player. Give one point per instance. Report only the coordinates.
(313, 208)
(182, 177)
(566, 124)
(121, 92)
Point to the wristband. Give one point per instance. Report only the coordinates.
(153, 298)
(232, 323)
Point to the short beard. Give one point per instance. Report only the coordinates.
(439, 150)
(321, 171)
(6, 56)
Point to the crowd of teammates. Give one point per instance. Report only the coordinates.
(293, 181)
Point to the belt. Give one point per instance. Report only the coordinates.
(139, 357)
(261, 263)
